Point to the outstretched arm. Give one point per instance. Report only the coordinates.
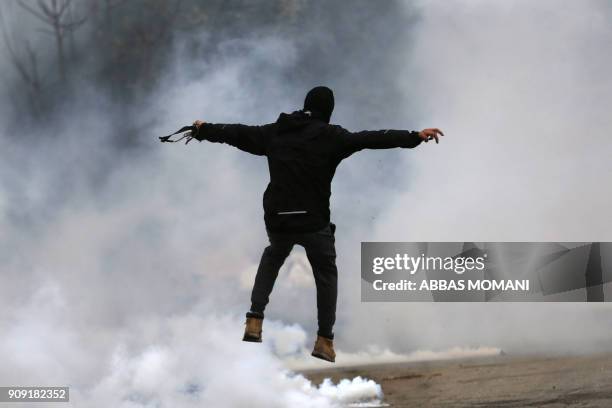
(251, 139)
(384, 139)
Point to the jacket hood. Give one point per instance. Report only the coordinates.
(296, 120)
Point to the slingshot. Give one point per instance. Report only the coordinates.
(188, 133)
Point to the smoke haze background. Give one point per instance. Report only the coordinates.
(126, 265)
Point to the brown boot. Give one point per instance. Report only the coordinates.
(324, 349)
(252, 331)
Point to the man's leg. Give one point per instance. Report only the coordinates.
(272, 259)
(321, 252)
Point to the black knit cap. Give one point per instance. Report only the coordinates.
(320, 100)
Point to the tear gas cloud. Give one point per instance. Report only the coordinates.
(126, 265)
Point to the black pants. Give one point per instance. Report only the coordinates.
(321, 253)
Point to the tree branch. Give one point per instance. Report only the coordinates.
(33, 12)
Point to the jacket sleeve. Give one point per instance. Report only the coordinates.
(251, 139)
(350, 142)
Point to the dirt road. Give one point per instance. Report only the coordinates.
(503, 381)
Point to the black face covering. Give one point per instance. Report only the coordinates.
(320, 100)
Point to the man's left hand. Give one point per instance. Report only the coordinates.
(430, 133)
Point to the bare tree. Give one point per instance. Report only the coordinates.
(55, 14)
(27, 67)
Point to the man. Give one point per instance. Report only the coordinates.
(303, 151)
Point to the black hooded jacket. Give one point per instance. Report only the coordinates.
(303, 151)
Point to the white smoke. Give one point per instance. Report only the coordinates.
(522, 91)
(131, 288)
(373, 354)
(202, 362)
(179, 361)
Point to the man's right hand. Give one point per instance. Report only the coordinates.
(429, 134)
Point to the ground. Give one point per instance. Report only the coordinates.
(503, 381)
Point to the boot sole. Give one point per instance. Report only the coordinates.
(323, 357)
(251, 339)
